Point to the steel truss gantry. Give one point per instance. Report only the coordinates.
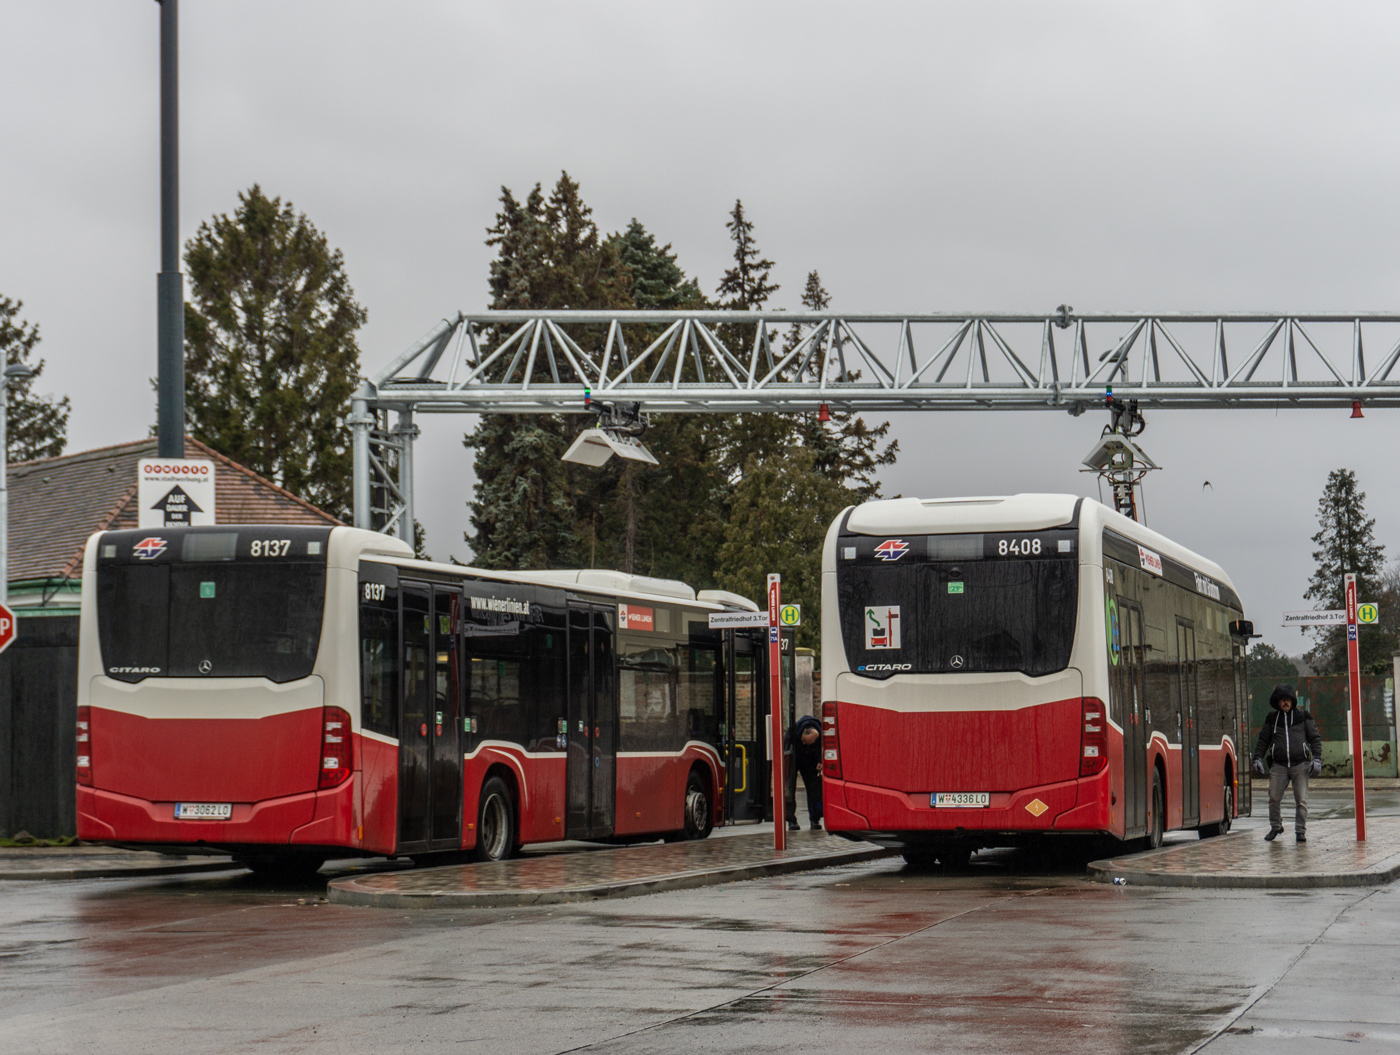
(543, 362)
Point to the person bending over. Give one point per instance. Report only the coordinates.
(802, 753)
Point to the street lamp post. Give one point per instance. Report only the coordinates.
(16, 372)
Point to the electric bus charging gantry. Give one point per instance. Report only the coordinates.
(728, 362)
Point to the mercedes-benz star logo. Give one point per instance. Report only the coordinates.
(956, 662)
(205, 666)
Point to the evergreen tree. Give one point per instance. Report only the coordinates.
(1346, 543)
(1265, 661)
(36, 426)
(270, 351)
(748, 285)
(779, 515)
(846, 448)
(656, 281)
(526, 512)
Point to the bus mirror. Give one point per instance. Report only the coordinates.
(1242, 628)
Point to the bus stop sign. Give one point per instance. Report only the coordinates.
(8, 627)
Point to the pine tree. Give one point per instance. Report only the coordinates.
(36, 426)
(1346, 543)
(746, 286)
(846, 448)
(531, 510)
(270, 351)
(657, 282)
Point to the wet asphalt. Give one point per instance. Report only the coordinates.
(1018, 954)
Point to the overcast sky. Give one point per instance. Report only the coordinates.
(923, 157)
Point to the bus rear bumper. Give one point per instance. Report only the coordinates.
(1081, 805)
(322, 818)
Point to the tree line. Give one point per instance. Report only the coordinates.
(272, 361)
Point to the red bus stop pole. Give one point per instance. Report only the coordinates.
(775, 718)
(1358, 760)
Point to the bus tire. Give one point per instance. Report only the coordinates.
(921, 860)
(283, 866)
(1227, 799)
(1157, 821)
(699, 818)
(954, 857)
(495, 822)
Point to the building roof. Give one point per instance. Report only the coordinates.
(57, 503)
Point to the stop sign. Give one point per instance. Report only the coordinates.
(7, 627)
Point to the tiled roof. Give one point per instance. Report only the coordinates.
(56, 503)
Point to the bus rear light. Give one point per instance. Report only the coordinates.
(831, 746)
(1093, 738)
(337, 747)
(84, 740)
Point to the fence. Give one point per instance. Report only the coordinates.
(1328, 700)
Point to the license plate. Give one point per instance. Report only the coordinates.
(972, 799)
(203, 811)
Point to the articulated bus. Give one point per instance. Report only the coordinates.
(999, 670)
(287, 694)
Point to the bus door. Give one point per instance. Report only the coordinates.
(591, 769)
(744, 744)
(1136, 787)
(444, 727)
(1188, 729)
(415, 785)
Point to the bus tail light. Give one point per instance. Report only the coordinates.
(337, 746)
(1093, 738)
(831, 747)
(84, 733)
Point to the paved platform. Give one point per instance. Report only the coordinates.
(1330, 858)
(99, 862)
(624, 872)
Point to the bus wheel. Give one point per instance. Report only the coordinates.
(922, 860)
(1157, 823)
(698, 821)
(281, 866)
(954, 857)
(1227, 797)
(495, 822)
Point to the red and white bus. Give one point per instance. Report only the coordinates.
(996, 670)
(286, 694)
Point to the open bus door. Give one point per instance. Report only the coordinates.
(1244, 744)
(744, 790)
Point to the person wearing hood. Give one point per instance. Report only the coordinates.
(802, 753)
(1289, 751)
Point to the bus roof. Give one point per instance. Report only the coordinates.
(1020, 512)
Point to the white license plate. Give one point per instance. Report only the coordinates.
(961, 798)
(203, 811)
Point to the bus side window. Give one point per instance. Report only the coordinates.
(379, 666)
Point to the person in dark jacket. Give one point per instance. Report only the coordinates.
(802, 753)
(1288, 752)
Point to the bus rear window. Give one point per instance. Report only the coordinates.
(963, 608)
(224, 620)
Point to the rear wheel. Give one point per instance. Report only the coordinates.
(495, 822)
(698, 819)
(1227, 798)
(284, 866)
(1157, 820)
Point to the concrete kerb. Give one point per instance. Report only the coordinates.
(111, 870)
(355, 891)
(1136, 871)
